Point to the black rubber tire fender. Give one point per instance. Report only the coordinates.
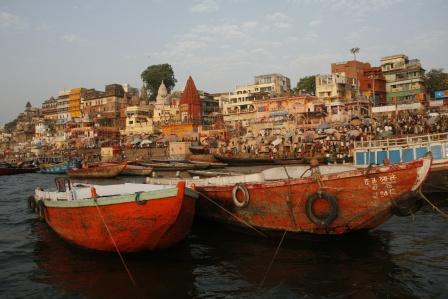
(31, 203)
(41, 210)
(334, 211)
(407, 204)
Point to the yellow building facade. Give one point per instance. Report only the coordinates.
(74, 102)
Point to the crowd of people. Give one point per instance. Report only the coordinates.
(334, 142)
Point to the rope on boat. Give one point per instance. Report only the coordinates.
(272, 260)
(288, 199)
(233, 215)
(437, 187)
(115, 244)
(431, 204)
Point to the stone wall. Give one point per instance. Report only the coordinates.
(143, 154)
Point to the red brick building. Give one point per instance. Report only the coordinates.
(370, 78)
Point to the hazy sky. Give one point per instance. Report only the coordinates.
(48, 46)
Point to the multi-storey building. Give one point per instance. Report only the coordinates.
(50, 109)
(335, 86)
(63, 114)
(280, 84)
(278, 113)
(373, 85)
(404, 79)
(139, 120)
(265, 86)
(106, 108)
(370, 80)
(209, 108)
(74, 102)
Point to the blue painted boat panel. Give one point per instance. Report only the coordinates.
(372, 156)
(360, 158)
(394, 156)
(436, 151)
(420, 151)
(408, 154)
(380, 156)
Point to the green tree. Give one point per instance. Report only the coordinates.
(436, 80)
(11, 126)
(155, 74)
(307, 84)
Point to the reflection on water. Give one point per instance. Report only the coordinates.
(217, 262)
(99, 275)
(405, 258)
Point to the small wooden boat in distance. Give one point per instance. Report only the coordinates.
(210, 174)
(136, 170)
(97, 171)
(8, 169)
(61, 168)
(135, 217)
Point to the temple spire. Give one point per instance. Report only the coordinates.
(190, 103)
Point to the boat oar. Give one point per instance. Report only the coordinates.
(94, 195)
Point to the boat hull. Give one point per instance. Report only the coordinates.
(107, 171)
(60, 168)
(247, 161)
(18, 170)
(162, 221)
(364, 201)
(135, 170)
(437, 181)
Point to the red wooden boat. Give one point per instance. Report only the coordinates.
(106, 170)
(332, 203)
(136, 170)
(138, 216)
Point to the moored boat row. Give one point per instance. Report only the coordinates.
(298, 199)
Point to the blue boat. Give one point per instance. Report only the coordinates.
(400, 150)
(408, 149)
(62, 167)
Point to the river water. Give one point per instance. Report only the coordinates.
(404, 258)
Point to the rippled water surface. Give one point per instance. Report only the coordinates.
(404, 258)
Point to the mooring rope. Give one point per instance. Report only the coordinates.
(115, 244)
(272, 260)
(233, 215)
(288, 199)
(431, 204)
(437, 187)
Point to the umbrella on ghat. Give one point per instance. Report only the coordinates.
(354, 133)
(330, 131)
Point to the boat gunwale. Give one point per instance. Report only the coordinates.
(376, 170)
(117, 199)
